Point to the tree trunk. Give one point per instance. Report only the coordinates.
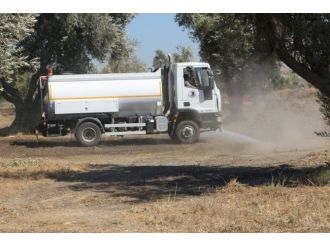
(27, 117)
(27, 110)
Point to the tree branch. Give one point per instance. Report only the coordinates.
(7, 96)
(323, 84)
(320, 83)
(11, 90)
(33, 84)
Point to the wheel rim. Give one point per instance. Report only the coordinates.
(89, 134)
(188, 132)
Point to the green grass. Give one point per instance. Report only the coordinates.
(321, 176)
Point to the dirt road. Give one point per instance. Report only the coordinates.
(57, 186)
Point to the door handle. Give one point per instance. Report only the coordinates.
(191, 94)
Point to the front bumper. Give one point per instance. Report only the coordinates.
(211, 121)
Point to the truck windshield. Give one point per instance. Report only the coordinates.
(202, 76)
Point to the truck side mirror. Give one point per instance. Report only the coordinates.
(207, 79)
(212, 82)
(210, 72)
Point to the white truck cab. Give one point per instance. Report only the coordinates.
(200, 94)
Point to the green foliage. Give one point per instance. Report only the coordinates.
(13, 29)
(226, 40)
(182, 54)
(324, 106)
(159, 59)
(244, 45)
(232, 44)
(321, 176)
(302, 42)
(69, 42)
(279, 81)
(66, 42)
(306, 37)
(126, 64)
(22, 81)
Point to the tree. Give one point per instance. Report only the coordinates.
(125, 64)
(302, 42)
(233, 44)
(182, 54)
(71, 41)
(66, 42)
(227, 43)
(159, 59)
(13, 29)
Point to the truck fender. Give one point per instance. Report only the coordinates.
(190, 114)
(89, 119)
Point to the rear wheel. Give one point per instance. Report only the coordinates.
(187, 132)
(88, 134)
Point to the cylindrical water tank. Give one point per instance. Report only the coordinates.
(123, 93)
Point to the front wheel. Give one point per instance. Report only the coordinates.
(187, 132)
(88, 134)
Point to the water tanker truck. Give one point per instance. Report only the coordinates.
(181, 99)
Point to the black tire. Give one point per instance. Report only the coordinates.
(88, 134)
(187, 132)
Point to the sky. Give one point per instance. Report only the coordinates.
(158, 31)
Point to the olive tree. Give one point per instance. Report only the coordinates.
(65, 42)
(231, 43)
(182, 54)
(14, 28)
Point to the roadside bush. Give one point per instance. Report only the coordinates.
(321, 176)
(324, 106)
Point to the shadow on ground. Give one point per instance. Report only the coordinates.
(107, 142)
(148, 183)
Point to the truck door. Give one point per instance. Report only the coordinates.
(194, 94)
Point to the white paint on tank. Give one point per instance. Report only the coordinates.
(65, 87)
(131, 92)
(105, 89)
(86, 106)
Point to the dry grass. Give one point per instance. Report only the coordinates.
(34, 168)
(37, 203)
(238, 208)
(233, 208)
(7, 115)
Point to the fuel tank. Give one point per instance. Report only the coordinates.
(122, 93)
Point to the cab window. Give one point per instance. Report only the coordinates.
(189, 78)
(196, 77)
